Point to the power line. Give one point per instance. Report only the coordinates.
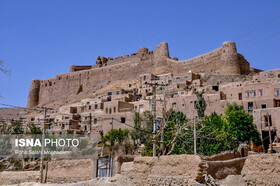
(246, 41)
(258, 27)
(8, 105)
(260, 41)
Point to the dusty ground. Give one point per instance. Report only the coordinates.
(67, 171)
(260, 169)
(16, 177)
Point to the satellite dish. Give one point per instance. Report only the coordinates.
(190, 71)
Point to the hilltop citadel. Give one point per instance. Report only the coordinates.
(86, 98)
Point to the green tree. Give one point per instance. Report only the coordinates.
(143, 128)
(33, 129)
(177, 137)
(213, 135)
(118, 135)
(16, 127)
(217, 133)
(241, 125)
(200, 104)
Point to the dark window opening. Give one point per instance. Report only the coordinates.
(216, 88)
(122, 119)
(240, 96)
(263, 106)
(276, 103)
(250, 107)
(95, 106)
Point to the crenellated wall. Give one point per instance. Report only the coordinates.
(224, 60)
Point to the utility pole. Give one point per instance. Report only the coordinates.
(270, 140)
(90, 127)
(163, 119)
(155, 115)
(194, 135)
(154, 88)
(43, 146)
(111, 141)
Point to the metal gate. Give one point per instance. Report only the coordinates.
(104, 167)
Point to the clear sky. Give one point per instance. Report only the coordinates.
(39, 39)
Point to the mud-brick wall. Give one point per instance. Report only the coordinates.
(223, 60)
(71, 170)
(221, 169)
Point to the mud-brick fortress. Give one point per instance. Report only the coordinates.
(86, 98)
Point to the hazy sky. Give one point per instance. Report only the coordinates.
(39, 39)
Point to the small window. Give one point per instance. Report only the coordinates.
(89, 107)
(247, 93)
(276, 92)
(260, 92)
(82, 109)
(88, 103)
(267, 120)
(216, 88)
(253, 93)
(178, 79)
(144, 78)
(85, 128)
(169, 82)
(276, 103)
(122, 119)
(240, 96)
(95, 106)
(173, 105)
(186, 78)
(95, 121)
(109, 93)
(106, 110)
(110, 110)
(114, 109)
(263, 106)
(250, 107)
(117, 92)
(151, 106)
